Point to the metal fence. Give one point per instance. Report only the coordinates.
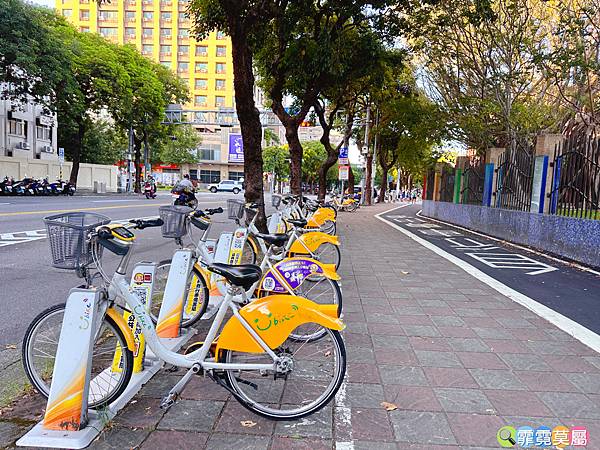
(473, 181)
(576, 176)
(447, 181)
(430, 185)
(514, 177)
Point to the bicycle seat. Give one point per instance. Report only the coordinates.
(301, 223)
(278, 239)
(244, 275)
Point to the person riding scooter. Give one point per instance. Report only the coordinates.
(150, 187)
(185, 189)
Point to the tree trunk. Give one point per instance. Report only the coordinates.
(368, 185)
(327, 164)
(250, 125)
(137, 144)
(351, 181)
(296, 152)
(77, 154)
(384, 184)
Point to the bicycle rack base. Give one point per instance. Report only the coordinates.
(38, 436)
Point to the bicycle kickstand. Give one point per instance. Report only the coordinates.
(173, 394)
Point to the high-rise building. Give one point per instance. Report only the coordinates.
(161, 30)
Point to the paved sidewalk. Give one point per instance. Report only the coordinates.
(458, 360)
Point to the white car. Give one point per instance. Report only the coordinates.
(227, 186)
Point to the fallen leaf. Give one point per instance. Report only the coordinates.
(389, 406)
(10, 346)
(404, 272)
(248, 423)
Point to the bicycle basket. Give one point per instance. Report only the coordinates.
(235, 209)
(250, 213)
(174, 217)
(275, 200)
(67, 235)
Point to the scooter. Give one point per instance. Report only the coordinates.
(149, 191)
(184, 198)
(6, 187)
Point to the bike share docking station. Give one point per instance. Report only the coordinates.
(67, 422)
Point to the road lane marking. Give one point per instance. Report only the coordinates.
(569, 326)
(512, 261)
(57, 211)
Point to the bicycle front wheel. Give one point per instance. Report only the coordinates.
(316, 372)
(39, 353)
(328, 253)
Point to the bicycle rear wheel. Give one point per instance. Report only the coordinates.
(316, 373)
(39, 352)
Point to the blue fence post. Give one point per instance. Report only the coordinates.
(538, 187)
(555, 185)
(487, 184)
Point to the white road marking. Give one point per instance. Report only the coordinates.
(569, 326)
(512, 261)
(1, 204)
(345, 417)
(445, 233)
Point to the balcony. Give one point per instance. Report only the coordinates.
(183, 40)
(201, 70)
(147, 3)
(220, 71)
(185, 55)
(201, 87)
(219, 88)
(166, 20)
(147, 40)
(204, 54)
(221, 55)
(166, 4)
(130, 20)
(147, 21)
(130, 39)
(130, 5)
(107, 20)
(147, 53)
(165, 39)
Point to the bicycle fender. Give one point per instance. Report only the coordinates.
(294, 271)
(252, 241)
(312, 240)
(273, 318)
(321, 216)
(127, 332)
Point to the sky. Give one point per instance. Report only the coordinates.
(49, 3)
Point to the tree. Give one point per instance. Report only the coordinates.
(276, 160)
(178, 146)
(103, 143)
(314, 153)
(270, 137)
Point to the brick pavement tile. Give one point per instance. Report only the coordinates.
(588, 383)
(516, 402)
(362, 373)
(413, 320)
(548, 381)
(559, 335)
(385, 329)
(594, 360)
(409, 311)
(363, 395)
(506, 346)
(421, 330)
(439, 311)
(234, 414)
(447, 321)
(429, 343)
(525, 362)
(450, 377)
(428, 447)
(299, 443)
(369, 309)
(421, 427)
(593, 427)
(437, 359)
(159, 385)
(475, 429)
(549, 348)
(532, 334)
(403, 375)
(191, 415)
(571, 405)
(200, 388)
(492, 333)
(318, 425)
(413, 398)
(399, 295)
(383, 341)
(228, 441)
(368, 424)
(533, 422)
(353, 317)
(463, 400)
(175, 440)
(432, 301)
(569, 364)
(143, 412)
(360, 355)
(354, 340)
(10, 432)
(468, 345)
(119, 438)
(579, 349)
(474, 360)
(381, 318)
(456, 332)
(395, 356)
(497, 379)
(470, 312)
(513, 322)
(485, 322)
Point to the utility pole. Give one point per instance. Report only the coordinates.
(129, 159)
(363, 182)
(375, 144)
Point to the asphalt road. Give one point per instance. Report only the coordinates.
(561, 286)
(29, 284)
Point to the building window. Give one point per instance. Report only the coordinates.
(221, 50)
(220, 68)
(200, 100)
(130, 33)
(147, 32)
(236, 176)
(210, 176)
(210, 152)
(148, 16)
(165, 32)
(107, 15)
(130, 16)
(108, 32)
(183, 67)
(201, 67)
(220, 85)
(183, 33)
(84, 14)
(84, 29)
(165, 50)
(182, 16)
(17, 127)
(43, 132)
(67, 13)
(220, 35)
(201, 50)
(165, 16)
(219, 101)
(201, 83)
(147, 49)
(184, 50)
(166, 64)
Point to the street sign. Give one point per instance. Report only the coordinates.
(343, 172)
(343, 156)
(61, 155)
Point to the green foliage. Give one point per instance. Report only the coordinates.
(271, 137)
(178, 146)
(313, 155)
(276, 160)
(103, 143)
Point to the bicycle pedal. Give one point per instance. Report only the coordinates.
(168, 401)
